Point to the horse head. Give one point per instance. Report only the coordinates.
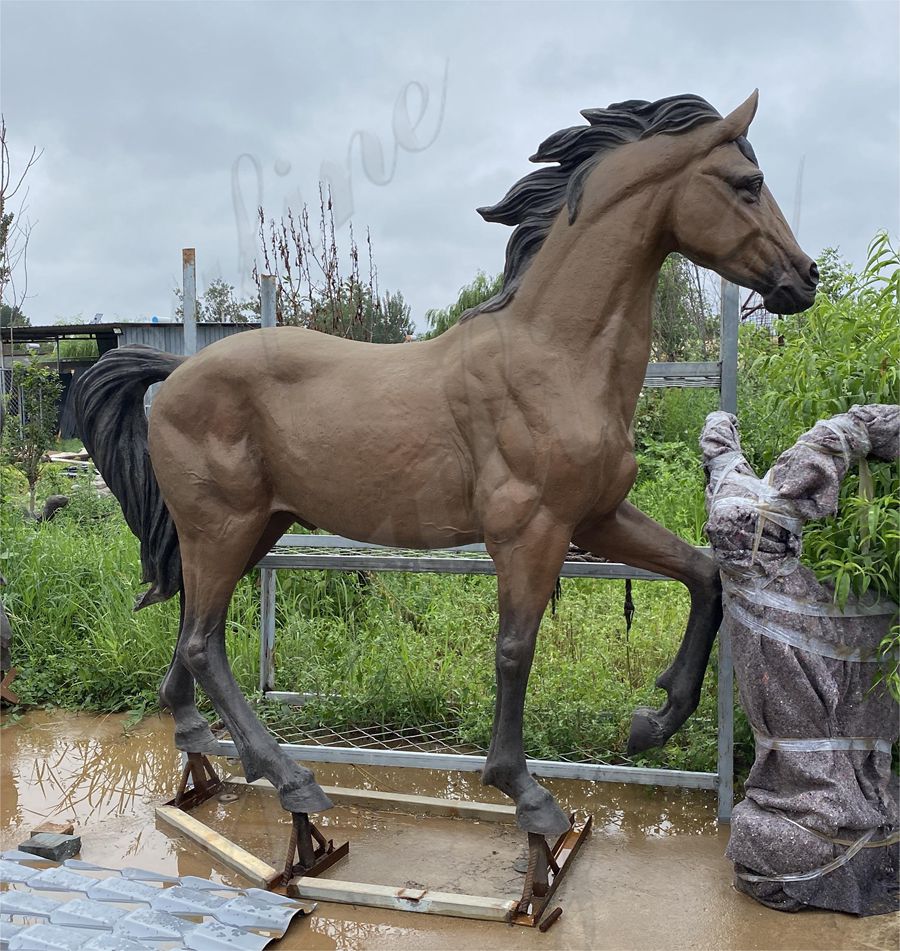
(722, 216)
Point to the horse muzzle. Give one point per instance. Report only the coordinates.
(794, 294)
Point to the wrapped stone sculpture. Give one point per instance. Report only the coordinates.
(819, 824)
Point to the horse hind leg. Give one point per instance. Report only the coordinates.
(212, 566)
(630, 536)
(176, 694)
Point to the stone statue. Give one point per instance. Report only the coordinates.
(513, 427)
(819, 824)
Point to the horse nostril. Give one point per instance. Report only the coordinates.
(814, 273)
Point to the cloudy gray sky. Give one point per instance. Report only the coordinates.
(143, 110)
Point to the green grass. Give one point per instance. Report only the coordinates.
(386, 648)
(68, 445)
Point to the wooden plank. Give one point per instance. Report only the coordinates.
(402, 802)
(422, 901)
(255, 870)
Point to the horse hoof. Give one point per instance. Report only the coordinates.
(197, 738)
(538, 812)
(305, 797)
(646, 732)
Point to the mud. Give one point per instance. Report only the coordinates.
(652, 876)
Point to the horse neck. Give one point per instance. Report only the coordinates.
(589, 292)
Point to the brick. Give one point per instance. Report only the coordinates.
(59, 828)
(52, 846)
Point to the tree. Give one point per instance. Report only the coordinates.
(393, 323)
(311, 290)
(12, 316)
(472, 294)
(31, 427)
(15, 230)
(355, 313)
(218, 305)
(836, 275)
(685, 326)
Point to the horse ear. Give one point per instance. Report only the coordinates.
(736, 123)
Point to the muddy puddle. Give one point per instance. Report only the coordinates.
(652, 876)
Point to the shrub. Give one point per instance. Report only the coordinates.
(32, 430)
(844, 350)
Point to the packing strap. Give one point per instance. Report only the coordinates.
(831, 866)
(802, 640)
(822, 744)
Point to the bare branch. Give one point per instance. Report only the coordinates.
(15, 228)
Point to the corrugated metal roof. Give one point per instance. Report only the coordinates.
(170, 337)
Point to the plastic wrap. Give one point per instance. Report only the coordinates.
(818, 825)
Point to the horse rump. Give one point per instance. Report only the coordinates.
(109, 411)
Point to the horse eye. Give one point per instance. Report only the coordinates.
(751, 186)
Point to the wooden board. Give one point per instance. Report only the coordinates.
(422, 900)
(260, 873)
(401, 802)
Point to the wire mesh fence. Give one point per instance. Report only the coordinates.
(446, 738)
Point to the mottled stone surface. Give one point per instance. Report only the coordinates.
(798, 802)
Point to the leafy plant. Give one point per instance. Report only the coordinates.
(31, 431)
(844, 350)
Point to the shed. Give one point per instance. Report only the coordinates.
(108, 336)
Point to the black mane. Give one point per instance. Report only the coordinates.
(533, 203)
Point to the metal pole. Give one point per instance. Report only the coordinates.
(189, 300)
(267, 300)
(728, 355)
(267, 630)
(728, 346)
(267, 575)
(725, 743)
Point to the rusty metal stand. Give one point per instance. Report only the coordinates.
(205, 783)
(546, 868)
(7, 695)
(314, 852)
(310, 853)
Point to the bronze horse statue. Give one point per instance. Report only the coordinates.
(512, 428)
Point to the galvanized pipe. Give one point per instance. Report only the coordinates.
(189, 299)
(267, 300)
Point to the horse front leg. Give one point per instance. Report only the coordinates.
(527, 568)
(630, 536)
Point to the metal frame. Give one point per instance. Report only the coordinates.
(721, 374)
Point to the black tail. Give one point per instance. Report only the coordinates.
(109, 410)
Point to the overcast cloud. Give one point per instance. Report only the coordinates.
(142, 110)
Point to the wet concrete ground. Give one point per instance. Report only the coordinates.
(652, 876)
